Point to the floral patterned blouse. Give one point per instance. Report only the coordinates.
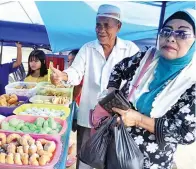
(177, 126)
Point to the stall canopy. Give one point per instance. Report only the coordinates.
(20, 21)
(70, 24)
(30, 35)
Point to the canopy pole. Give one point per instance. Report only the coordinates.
(1, 53)
(162, 15)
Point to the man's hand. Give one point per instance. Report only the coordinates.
(57, 76)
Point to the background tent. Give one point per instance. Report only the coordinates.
(21, 21)
(71, 24)
(30, 35)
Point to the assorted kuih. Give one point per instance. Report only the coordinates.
(40, 126)
(9, 100)
(25, 150)
(32, 137)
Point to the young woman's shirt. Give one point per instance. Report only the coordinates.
(36, 79)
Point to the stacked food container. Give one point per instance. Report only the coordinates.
(31, 136)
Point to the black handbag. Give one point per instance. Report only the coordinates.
(115, 99)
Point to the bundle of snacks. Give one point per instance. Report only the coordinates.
(48, 89)
(24, 86)
(21, 88)
(24, 150)
(51, 92)
(61, 100)
(46, 112)
(40, 126)
(9, 100)
(39, 99)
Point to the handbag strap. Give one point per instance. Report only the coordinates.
(143, 71)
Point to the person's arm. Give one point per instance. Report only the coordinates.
(134, 118)
(179, 129)
(19, 56)
(77, 91)
(146, 123)
(124, 70)
(74, 74)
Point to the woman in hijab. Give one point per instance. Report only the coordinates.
(164, 102)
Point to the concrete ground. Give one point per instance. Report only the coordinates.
(185, 156)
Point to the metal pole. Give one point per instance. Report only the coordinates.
(162, 15)
(1, 53)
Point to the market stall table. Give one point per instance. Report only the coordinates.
(65, 139)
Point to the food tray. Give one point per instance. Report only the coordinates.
(8, 111)
(47, 89)
(12, 88)
(23, 107)
(32, 119)
(39, 99)
(54, 160)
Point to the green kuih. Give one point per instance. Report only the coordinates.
(40, 121)
(11, 128)
(14, 122)
(45, 124)
(32, 127)
(24, 128)
(53, 132)
(19, 126)
(42, 131)
(47, 129)
(51, 122)
(5, 125)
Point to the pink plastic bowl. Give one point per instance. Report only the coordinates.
(52, 163)
(32, 119)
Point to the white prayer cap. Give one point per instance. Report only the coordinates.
(109, 11)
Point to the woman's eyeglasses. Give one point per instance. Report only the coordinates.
(178, 34)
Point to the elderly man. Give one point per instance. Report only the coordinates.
(94, 62)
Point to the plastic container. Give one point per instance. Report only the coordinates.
(24, 107)
(21, 88)
(47, 89)
(8, 111)
(32, 119)
(52, 163)
(39, 99)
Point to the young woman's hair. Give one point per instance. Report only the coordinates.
(38, 55)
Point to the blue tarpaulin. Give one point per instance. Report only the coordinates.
(70, 24)
(28, 34)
